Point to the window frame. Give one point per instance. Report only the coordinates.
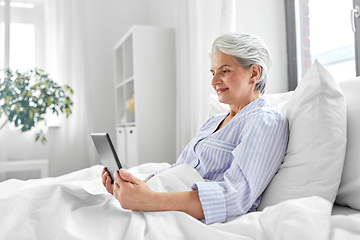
(291, 43)
(357, 37)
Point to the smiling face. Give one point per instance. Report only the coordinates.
(233, 83)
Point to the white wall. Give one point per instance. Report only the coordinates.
(163, 13)
(107, 22)
(266, 19)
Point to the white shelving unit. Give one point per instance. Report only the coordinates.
(144, 61)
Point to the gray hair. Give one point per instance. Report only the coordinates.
(247, 50)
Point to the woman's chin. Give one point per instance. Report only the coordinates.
(221, 100)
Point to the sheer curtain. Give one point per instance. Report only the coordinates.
(66, 61)
(199, 23)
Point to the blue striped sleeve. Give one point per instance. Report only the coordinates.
(212, 200)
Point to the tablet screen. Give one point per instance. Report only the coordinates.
(106, 152)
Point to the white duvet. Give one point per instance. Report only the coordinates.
(76, 206)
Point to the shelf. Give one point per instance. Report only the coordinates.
(129, 93)
(126, 124)
(124, 67)
(119, 96)
(128, 58)
(124, 82)
(119, 67)
(148, 129)
(123, 93)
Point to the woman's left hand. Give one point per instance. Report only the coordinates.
(132, 193)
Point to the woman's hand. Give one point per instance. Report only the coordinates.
(106, 180)
(133, 193)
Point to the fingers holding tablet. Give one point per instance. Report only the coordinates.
(107, 182)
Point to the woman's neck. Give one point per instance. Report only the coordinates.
(234, 109)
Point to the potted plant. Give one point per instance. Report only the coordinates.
(25, 98)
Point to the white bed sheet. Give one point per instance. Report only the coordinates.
(76, 206)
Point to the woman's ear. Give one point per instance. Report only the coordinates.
(255, 72)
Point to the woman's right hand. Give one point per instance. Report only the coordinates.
(106, 180)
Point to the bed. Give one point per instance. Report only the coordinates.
(314, 195)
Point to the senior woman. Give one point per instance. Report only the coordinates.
(237, 153)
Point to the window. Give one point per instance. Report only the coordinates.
(323, 31)
(21, 29)
(22, 53)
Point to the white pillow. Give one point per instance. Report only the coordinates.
(349, 191)
(314, 159)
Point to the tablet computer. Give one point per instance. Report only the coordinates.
(106, 152)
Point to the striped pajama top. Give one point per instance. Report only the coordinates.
(237, 161)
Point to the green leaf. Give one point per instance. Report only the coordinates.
(68, 101)
(31, 114)
(68, 111)
(11, 116)
(68, 88)
(8, 99)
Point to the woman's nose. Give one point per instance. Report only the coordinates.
(215, 80)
